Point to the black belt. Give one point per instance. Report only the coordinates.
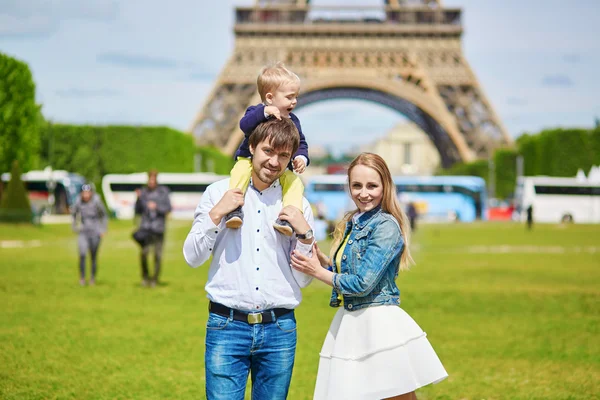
(251, 318)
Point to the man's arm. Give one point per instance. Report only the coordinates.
(140, 203)
(199, 243)
(163, 206)
(255, 115)
(301, 222)
(208, 222)
(75, 224)
(104, 216)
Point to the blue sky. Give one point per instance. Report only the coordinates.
(154, 62)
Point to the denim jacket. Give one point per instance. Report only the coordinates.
(370, 262)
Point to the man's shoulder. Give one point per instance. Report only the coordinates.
(218, 187)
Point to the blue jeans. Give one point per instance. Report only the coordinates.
(234, 349)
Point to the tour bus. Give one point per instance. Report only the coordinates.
(436, 198)
(46, 188)
(186, 190)
(555, 200)
(444, 198)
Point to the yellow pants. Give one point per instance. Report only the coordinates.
(291, 185)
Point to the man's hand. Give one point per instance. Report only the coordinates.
(274, 111)
(295, 217)
(231, 200)
(299, 165)
(151, 205)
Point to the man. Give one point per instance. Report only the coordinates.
(411, 213)
(252, 289)
(529, 217)
(90, 210)
(153, 205)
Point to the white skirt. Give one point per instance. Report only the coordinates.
(374, 353)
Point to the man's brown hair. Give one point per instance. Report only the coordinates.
(281, 133)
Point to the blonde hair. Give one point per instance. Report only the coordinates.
(272, 76)
(389, 204)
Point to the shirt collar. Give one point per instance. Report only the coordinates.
(274, 185)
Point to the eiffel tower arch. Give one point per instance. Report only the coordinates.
(402, 54)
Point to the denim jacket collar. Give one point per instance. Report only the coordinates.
(364, 219)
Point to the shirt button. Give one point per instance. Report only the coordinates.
(349, 305)
(344, 257)
(210, 249)
(257, 268)
(258, 230)
(257, 307)
(216, 231)
(257, 288)
(257, 249)
(350, 241)
(259, 211)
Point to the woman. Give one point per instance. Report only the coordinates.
(89, 221)
(373, 349)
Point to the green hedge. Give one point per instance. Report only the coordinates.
(15, 206)
(20, 116)
(475, 168)
(94, 151)
(505, 161)
(552, 152)
(212, 160)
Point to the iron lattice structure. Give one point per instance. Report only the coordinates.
(405, 55)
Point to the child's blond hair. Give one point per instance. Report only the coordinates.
(272, 76)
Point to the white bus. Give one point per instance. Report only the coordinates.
(558, 199)
(186, 191)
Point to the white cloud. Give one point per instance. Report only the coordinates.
(31, 18)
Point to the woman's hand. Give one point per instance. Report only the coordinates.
(323, 258)
(311, 266)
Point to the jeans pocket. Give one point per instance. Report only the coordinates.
(216, 322)
(286, 324)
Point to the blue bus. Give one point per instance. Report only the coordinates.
(444, 198)
(436, 198)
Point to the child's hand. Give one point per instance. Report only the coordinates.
(299, 165)
(274, 111)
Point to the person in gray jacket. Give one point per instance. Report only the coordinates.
(89, 221)
(153, 205)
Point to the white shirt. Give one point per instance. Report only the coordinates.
(250, 269)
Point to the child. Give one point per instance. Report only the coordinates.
(278, 88)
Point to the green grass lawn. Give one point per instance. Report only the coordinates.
(512, 315)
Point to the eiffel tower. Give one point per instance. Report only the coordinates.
(402, 54)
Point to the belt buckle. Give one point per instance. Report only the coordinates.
(254, 318)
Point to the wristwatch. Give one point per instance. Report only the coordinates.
(308, 235)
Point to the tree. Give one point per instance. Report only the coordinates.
(20, 116)
(14, 206)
